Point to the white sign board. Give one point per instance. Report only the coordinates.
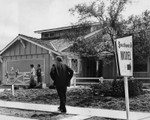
(125, 55)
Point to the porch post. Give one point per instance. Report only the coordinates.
(97, 67)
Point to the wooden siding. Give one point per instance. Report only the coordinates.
(88, 67)
(0, 72)
(140, 74)
(18, 49)
(17, 52)
(108, 71)
(30, 58)
(47, 67)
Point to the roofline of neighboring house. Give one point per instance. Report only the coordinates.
(53, 46)
(60, 28)
(56, 29)
(66, 47)
(92, 33)
(85, 37)
(22, 37)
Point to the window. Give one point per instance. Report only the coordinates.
(52, 34)
(46, 35)
(75, 65)
(141, 67)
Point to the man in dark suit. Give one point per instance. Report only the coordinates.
(61, 75)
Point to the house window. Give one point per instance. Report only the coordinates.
(52, 34)
(75, 65)
(141, 67)
(46, 35)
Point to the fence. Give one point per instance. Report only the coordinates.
(100, 79)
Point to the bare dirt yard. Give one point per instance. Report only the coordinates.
(80, 96)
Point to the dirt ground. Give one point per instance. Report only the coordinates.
(82, 97)
(40, 115)
(33, 114)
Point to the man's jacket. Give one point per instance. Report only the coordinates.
(61, 74)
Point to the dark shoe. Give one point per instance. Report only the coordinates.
(59, 109)
(63, 110)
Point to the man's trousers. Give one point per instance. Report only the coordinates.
(61, 90)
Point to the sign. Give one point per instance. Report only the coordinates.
(11, 77)
(22, 67)
(124, 48)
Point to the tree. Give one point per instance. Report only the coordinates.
(139, 27)
(109, 18)
(108, 15)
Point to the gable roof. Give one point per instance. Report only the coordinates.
(43, 44)
(61, 44)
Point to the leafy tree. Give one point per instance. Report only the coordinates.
(109, 18)
(108, 15)
(139, 27)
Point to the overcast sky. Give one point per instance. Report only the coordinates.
(27, 16)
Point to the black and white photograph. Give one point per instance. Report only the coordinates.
(74, 60)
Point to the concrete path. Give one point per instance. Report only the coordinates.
(78, 110)
(4, 117)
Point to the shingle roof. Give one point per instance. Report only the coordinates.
(61, 44)
(41, 43)
(45, 43)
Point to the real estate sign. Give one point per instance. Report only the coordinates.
(11, 77)
(124, 48)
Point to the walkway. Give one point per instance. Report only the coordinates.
(80, 111)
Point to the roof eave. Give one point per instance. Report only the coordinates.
(26, 39)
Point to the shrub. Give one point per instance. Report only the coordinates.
(118, 88)
(115, 88)
(135, 88)
(104, 88)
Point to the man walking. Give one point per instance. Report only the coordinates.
(61, 75)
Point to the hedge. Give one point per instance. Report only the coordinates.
(115, 88)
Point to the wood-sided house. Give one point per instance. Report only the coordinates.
(82, 66)
(89, 67)
(25, 50)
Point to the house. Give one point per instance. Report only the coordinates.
(25, 50)
(89, 67)
(82, 66)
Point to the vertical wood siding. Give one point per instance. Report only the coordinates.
(31, 51)
(1, 72)
(18, 49)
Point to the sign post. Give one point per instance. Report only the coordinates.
(127, 97)
(12, 79)
(12, 88)
(125, 61)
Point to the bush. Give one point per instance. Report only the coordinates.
(135, 88)
(115, 88)
(118, 88)
(104, 88)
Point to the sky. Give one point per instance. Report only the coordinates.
(27, 16)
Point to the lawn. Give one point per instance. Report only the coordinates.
(80, 96)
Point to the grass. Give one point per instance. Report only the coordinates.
(81, 96)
